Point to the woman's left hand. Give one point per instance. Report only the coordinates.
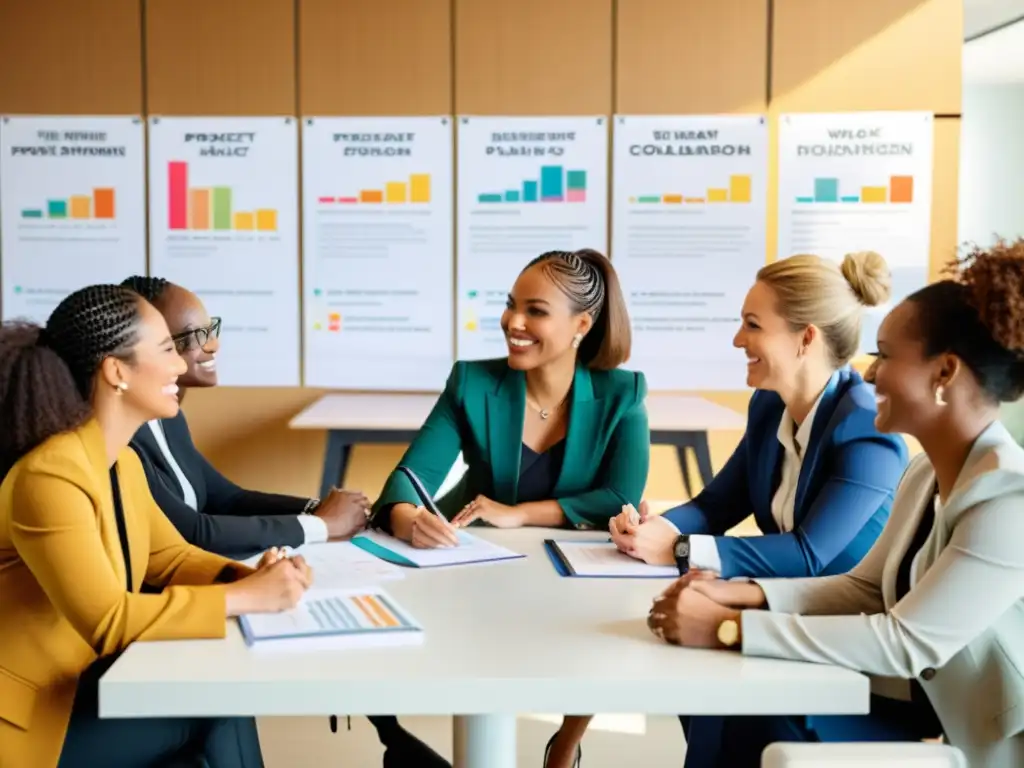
(498, 515)
(684, 616)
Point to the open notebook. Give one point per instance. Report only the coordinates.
(332, 620)
(470, 550)
(602, 559)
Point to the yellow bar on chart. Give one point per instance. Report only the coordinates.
(739, 189)
(244, 220)
(672, 199)
(81, 206)
(266, 220)
(394, 192)
(718, 195)
(873, 194)
(419, 184)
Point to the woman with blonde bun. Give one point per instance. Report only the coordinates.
(812, 468)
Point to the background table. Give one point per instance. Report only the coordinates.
(350, 419)
(502, 639)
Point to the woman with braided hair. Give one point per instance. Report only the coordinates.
(554, 434)
(80, 534)
(215, 514)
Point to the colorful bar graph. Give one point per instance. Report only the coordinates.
(740, 190)
(414, 190)
(98, 205)
(195, 208)
(900, 189)
(556, 185)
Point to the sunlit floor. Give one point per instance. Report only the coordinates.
(612, 742)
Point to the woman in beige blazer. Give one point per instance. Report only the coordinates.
(80, 535)
(935, 611)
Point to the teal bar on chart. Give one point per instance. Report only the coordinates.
(57, 209)
(529, 191)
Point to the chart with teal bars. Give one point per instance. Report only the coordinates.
(72, 207)
(526, 185)
(859, 182)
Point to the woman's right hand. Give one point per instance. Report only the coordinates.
(421, 527)
(271, 589)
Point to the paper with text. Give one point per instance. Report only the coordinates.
(470, 550)
(342, 565)
(600, 558)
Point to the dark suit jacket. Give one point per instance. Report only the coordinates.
(229, 520)
(481, 411)
(847, 480)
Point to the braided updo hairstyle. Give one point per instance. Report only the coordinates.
(149, 288)
(589, 280)
(979, 317)
(46, 375)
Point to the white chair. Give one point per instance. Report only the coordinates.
(863, 755)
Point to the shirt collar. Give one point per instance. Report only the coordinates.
(797, 443)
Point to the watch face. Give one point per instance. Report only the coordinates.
(682, 549)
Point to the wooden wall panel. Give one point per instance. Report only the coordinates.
(375, 57)
(71, 57)
(691, 56)
(945, 194)
(872, 55)
(220, 57)
(533, 57)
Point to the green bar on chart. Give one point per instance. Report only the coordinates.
(222, 207)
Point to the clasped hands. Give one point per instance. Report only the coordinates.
(690, 611)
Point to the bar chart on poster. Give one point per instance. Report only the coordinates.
(72, 207)
(688, 222)
(859, 182)
(526, 185)
(377, 252)
(223, 204)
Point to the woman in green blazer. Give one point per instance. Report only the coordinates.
(554, 434)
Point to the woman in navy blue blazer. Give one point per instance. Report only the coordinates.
(812, 468)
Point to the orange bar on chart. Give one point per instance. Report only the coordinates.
(81, 205)
(872, 194)
(901, 189)
(266, 220)
(694, 199)
(244, 220)
(371, 196)
(672, 199)
(199, 209)
(367, 612)
(382, 613)
(103, 203)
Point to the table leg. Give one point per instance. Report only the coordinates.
(339, 446)
(485, 741)
(684, 469)
(702, 448)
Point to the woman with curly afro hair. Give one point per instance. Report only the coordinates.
(934, 613)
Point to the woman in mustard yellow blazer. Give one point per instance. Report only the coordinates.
(553, 434)
(80, 535)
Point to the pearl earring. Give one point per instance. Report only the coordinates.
(122, 387)
(576, 340)
(939, 395)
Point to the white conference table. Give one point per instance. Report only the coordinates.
(350, 419)
(501, 639)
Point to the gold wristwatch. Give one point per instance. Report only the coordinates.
(729, 633)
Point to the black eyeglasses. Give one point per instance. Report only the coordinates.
(200, 336)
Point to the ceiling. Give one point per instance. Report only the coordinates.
(994, 42)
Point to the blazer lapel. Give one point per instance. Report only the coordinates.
(582, 432)
(822, 420)
(96, 451)
(506, 409)
(768, 473)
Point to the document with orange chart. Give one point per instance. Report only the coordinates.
(689, 222)
(377, 238)
(334, 619)
(72, 207)
(859, 181)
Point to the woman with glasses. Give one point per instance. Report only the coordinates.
(215, 514)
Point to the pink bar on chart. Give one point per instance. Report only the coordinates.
(552, 199)
(177, 195)
(348, 199)
(576, 196)
(326, 199)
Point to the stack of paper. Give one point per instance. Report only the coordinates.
(597, 559)
(469, 550)
(332, 620)
(342, 565)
